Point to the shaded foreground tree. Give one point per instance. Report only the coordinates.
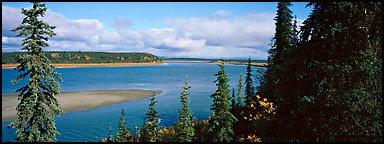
(249, 88)
(279, 55)
(185, 127)
(38, 105)
(335, 87)
(221, 121)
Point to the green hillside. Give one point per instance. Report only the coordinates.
(87, 57)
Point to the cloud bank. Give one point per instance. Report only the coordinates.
(215, 36)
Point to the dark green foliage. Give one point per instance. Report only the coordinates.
(87, 57)
(278, 81)
(184, 130)
(249, 89)
(331, 88)
(221, 121)
(345, 81)
(123, 135)
(280, 54)
(150, 131)
(38, 105)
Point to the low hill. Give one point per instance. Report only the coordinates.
(87, 57)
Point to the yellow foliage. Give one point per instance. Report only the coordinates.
(268, 108)
(167, 131)
(253, 138)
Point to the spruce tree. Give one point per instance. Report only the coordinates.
(123, 135)
(221, 121)
(279, 54)
(185, 127)
(233, 98)
(240, 100)
(279, 81)
(38, 104)
(151, 126)
(249, 89)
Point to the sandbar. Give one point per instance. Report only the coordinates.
(80, 101)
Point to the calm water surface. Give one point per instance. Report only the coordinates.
(92, 125)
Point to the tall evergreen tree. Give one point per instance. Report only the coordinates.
(233, 98)
(221, 121)
(123, 135)
(185, 127)
(279, 54)
(150, 132)
(249, 89)
(240, 100)
(38, 105)
(279, 80)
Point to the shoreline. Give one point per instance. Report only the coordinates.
(68, 65)
(186, 61)
(259, 64)
(79, 101)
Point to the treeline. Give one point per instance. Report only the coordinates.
(86, 57)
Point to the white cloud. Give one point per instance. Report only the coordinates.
(86, 30)
(10, 19)
(203, 37)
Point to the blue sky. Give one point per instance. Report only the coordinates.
(169, 29)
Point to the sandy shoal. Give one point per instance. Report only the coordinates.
(80, 101)
(63, 65)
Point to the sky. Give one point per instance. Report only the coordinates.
(231, 30)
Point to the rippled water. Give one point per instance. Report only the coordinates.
(92, 125)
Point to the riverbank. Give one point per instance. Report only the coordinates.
(62, 65)
(192, 61)
(259, 64)
(80, 101)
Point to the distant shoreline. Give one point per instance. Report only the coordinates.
(260, 64)
(171, 61)
(63, 65)
(79, 101)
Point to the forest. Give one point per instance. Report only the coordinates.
(323, 83)
(86, 57)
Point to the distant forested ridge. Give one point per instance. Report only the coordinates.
(87, 57)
